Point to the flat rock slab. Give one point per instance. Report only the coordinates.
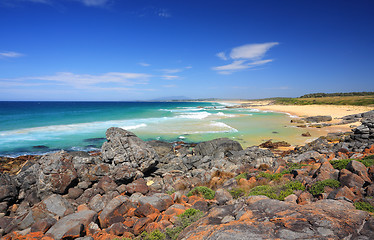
(72, 225)
(263, 218)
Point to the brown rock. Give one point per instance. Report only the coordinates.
(107, 184)
(371, 173)
(222, 196)
(359, 169)
(114, 211)
(43, 225)
(140, 225)
(326, 171)
(117, 229)
(306, 134)
(75, 193)
(350, 179)
(145, 209)
(139, 185)
(342, 194)
(304, 198)
(160, 201)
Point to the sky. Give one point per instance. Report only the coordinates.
(124, 50)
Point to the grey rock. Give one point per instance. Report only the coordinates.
(222, 196)
(317, 119)
(160, 201)
(8, 188)
(219, 147)
(72, 225)
(124, 147)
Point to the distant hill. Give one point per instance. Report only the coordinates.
(318, 95)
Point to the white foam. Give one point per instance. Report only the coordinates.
(224, 126)
(195, 115)
(221, 114)
(134, 126)
(181, 137)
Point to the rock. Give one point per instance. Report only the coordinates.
(291, 198)
(217, 147)
(43, 225)
(160, 201)
(317, 119)
(53, 206)
(304, 198)
(117, 229)
(326, 171)
(8, 188)
(145, 209)
(307, 156)
(254, 157)
(114, 211)
(273, 219)
(125, 148)
(139, 185)
(359, 169)
(162, 148)
(107, 184)
(343, 193)
(222, 196)
(306, 134)
(57, 173)
(74, 193)
(270, 144)
(350, 179)
(72, 226)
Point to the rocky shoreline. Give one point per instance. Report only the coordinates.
(213, 190)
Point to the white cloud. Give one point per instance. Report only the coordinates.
(84, 81)
(170, 77)
(10, 55)
(170, 71)
(170, 86)
(251, 51)
(221, 55)
(245, 57)
(162, 12)
(94, 2)
(144, 64)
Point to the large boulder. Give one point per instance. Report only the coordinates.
(217, 147)
(317, 119)
(254, 156)
(57, 173)
(8, 188)
(72, 226)
(124, 148)
(263, 218)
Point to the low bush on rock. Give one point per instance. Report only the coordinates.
(206, 192)
(319, 187)
(242, 175)
(237, 192)
(278, 191)
(364, 206)
(293, 166)
(155, 235)
(184, 220)
(341, 164)
(270, 176)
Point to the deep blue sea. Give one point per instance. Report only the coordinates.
(41, 127)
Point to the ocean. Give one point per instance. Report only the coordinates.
(41, 127)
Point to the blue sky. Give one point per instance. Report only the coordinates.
(147, 49)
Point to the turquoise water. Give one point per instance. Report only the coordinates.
(40, 127)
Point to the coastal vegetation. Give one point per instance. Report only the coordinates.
(354, 100)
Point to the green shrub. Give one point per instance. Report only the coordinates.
(270, 176)
(318, 187)
(340, 164)
(292, 166)
(242, 175)
(206, 192)
(184, 220)
(155, 235)
(364, 206)
(278, 191)
(236, 192)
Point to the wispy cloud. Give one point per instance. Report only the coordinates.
(10, 55)
(170, 77)
(245, 57)
(170, 71)
(221, 55)
(144, 64)
(163, 12)
(89, 3)
(170, 86)
(83, 81)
